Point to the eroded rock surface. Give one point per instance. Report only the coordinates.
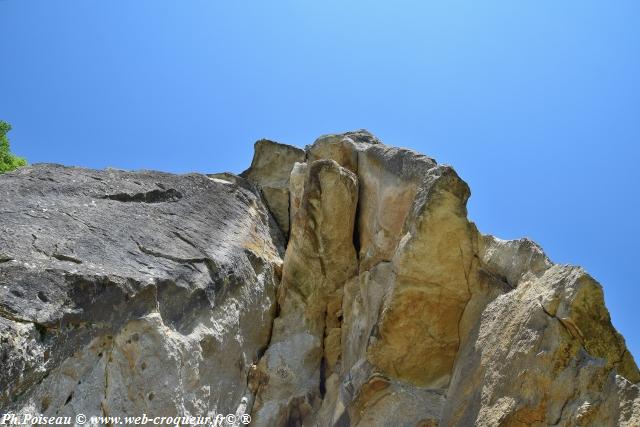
(270, 169)
(127, 293)
(438, 325)
(130, 293)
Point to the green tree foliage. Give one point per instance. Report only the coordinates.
(8, 161)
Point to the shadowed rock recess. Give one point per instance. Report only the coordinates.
(340, 285)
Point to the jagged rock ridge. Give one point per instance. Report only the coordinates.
(337, 285)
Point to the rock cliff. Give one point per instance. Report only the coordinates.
(339, 285)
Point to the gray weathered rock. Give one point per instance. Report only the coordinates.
(130, 293)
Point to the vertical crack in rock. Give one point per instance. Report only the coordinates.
(467, 274)
(320, 257)
(107, 360)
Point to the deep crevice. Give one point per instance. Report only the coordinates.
(356, 229)
(323, 376)
(153, 196)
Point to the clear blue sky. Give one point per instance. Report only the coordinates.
(536, 103)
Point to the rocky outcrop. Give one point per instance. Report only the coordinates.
(543, 353)
(320, 257)
(340, 285)
(128, 293)
(270, 170)
(438, 324)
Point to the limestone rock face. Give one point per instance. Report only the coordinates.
(340, 285)
(128, 293)
(320, 258)
(544, 353)
(413, 322)
(270, 170)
